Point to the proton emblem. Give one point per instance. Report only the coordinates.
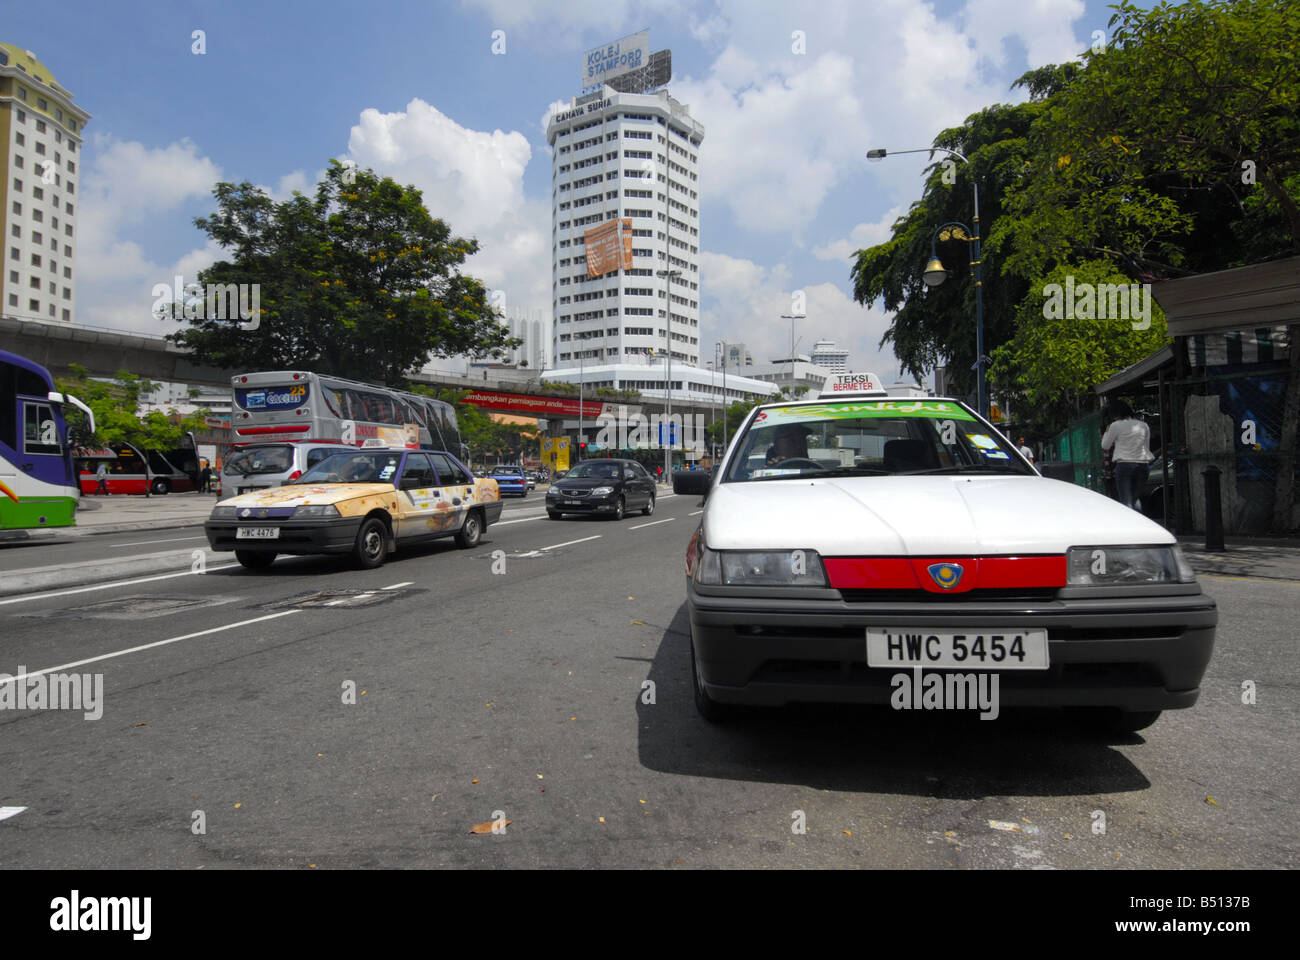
(245, 512)
(946, 575)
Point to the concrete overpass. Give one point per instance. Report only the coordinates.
(103, 352)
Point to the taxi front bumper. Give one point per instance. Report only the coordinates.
(1137, 652)
(330, 535)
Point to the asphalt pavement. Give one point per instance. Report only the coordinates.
(313, 715)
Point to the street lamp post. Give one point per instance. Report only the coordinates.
(935, 274)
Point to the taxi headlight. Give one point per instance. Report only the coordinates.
(222, 513)
(783, 568)
(317, 512)
(1116, 566)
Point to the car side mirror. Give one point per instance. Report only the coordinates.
(692, 482)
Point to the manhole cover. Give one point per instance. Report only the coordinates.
(337, 598)
(136, 608)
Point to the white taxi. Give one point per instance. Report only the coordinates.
(874, 548)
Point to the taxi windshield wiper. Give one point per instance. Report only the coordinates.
(855, 472)
(967, 468)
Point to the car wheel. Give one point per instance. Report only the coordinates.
(371, 547)
(254, 559)
(554, 514)
(620, 508)
(471, 532)
(160, 487)
(706, 706)
(649, 508)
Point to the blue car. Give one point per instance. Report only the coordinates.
(510, 480)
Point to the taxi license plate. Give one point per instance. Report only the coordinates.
(975, 648)
(257, 533)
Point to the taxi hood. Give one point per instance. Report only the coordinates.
(307, 494)
(947, 515)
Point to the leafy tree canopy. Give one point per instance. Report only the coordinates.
(115, 404)
(359, 281)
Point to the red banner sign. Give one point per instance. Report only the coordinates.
(534, 406)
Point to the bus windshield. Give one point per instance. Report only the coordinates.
(38, 485)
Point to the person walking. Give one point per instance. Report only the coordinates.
(205, 478)
(101, 474)
(1026, 451)
(1128, 439)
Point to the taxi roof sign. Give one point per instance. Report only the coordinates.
(852, 385)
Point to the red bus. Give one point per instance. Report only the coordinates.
(130, 470)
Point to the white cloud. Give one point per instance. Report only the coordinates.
(129, 185)
(746, 302)
(860, 237)
(473, 180)
(1043, 26)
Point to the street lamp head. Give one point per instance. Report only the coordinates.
(934, 273)
(877, 154)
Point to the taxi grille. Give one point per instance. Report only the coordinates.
(1005, 594)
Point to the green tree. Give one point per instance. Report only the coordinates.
(115, 404)
(935, 326)
(359, 281)
(1062, 349)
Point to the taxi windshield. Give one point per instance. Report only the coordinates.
(870, 438)
(354, 468)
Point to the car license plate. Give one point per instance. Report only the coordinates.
(240, 491)
(572, 503)
(257, 533)
(972, 648)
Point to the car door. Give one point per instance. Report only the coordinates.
(457, 487)
(419, 499)
(634, 494)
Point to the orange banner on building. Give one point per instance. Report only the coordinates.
(609, 247)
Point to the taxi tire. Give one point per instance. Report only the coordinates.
(1131, 721)
(471, 531)
(708, 708)
(371, 548)
(254, 559)
(649, 508)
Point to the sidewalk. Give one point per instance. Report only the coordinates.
(114, 514)
(1272, 558)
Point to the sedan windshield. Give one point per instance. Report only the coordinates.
(595, 469)
(870, 438)
(354, 468)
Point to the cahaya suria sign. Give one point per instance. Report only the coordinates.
(615, 59)
(529, 405)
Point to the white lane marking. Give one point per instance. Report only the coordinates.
(651, 523)
(695, 513)
(502, 523)
(349, 599)
(146, 646)
(404, 583)
(568, 543)
(115, 583)
(7, 812)
(141, 543)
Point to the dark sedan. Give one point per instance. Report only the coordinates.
(607, 487)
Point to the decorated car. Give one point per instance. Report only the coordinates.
(867, 548)
(365, 503)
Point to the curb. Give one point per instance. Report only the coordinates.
(76, 533)
(82, 574)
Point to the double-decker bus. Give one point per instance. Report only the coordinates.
(38, 485)
(130, 469)
(290, 406)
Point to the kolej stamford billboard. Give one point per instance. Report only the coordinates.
(615, 59)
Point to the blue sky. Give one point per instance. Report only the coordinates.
(414, 90)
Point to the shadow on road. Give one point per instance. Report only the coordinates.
(875, 749)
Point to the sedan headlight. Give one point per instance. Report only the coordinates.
(744, 568)
(320, 512)
(1119, 565)
(602, 491)
(222, 513)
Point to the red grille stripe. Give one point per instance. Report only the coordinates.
(906, 573)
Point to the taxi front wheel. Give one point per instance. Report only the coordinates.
(371, 547)
(708, 708)
(254, 559)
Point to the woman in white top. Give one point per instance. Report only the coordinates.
(1131, 440)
